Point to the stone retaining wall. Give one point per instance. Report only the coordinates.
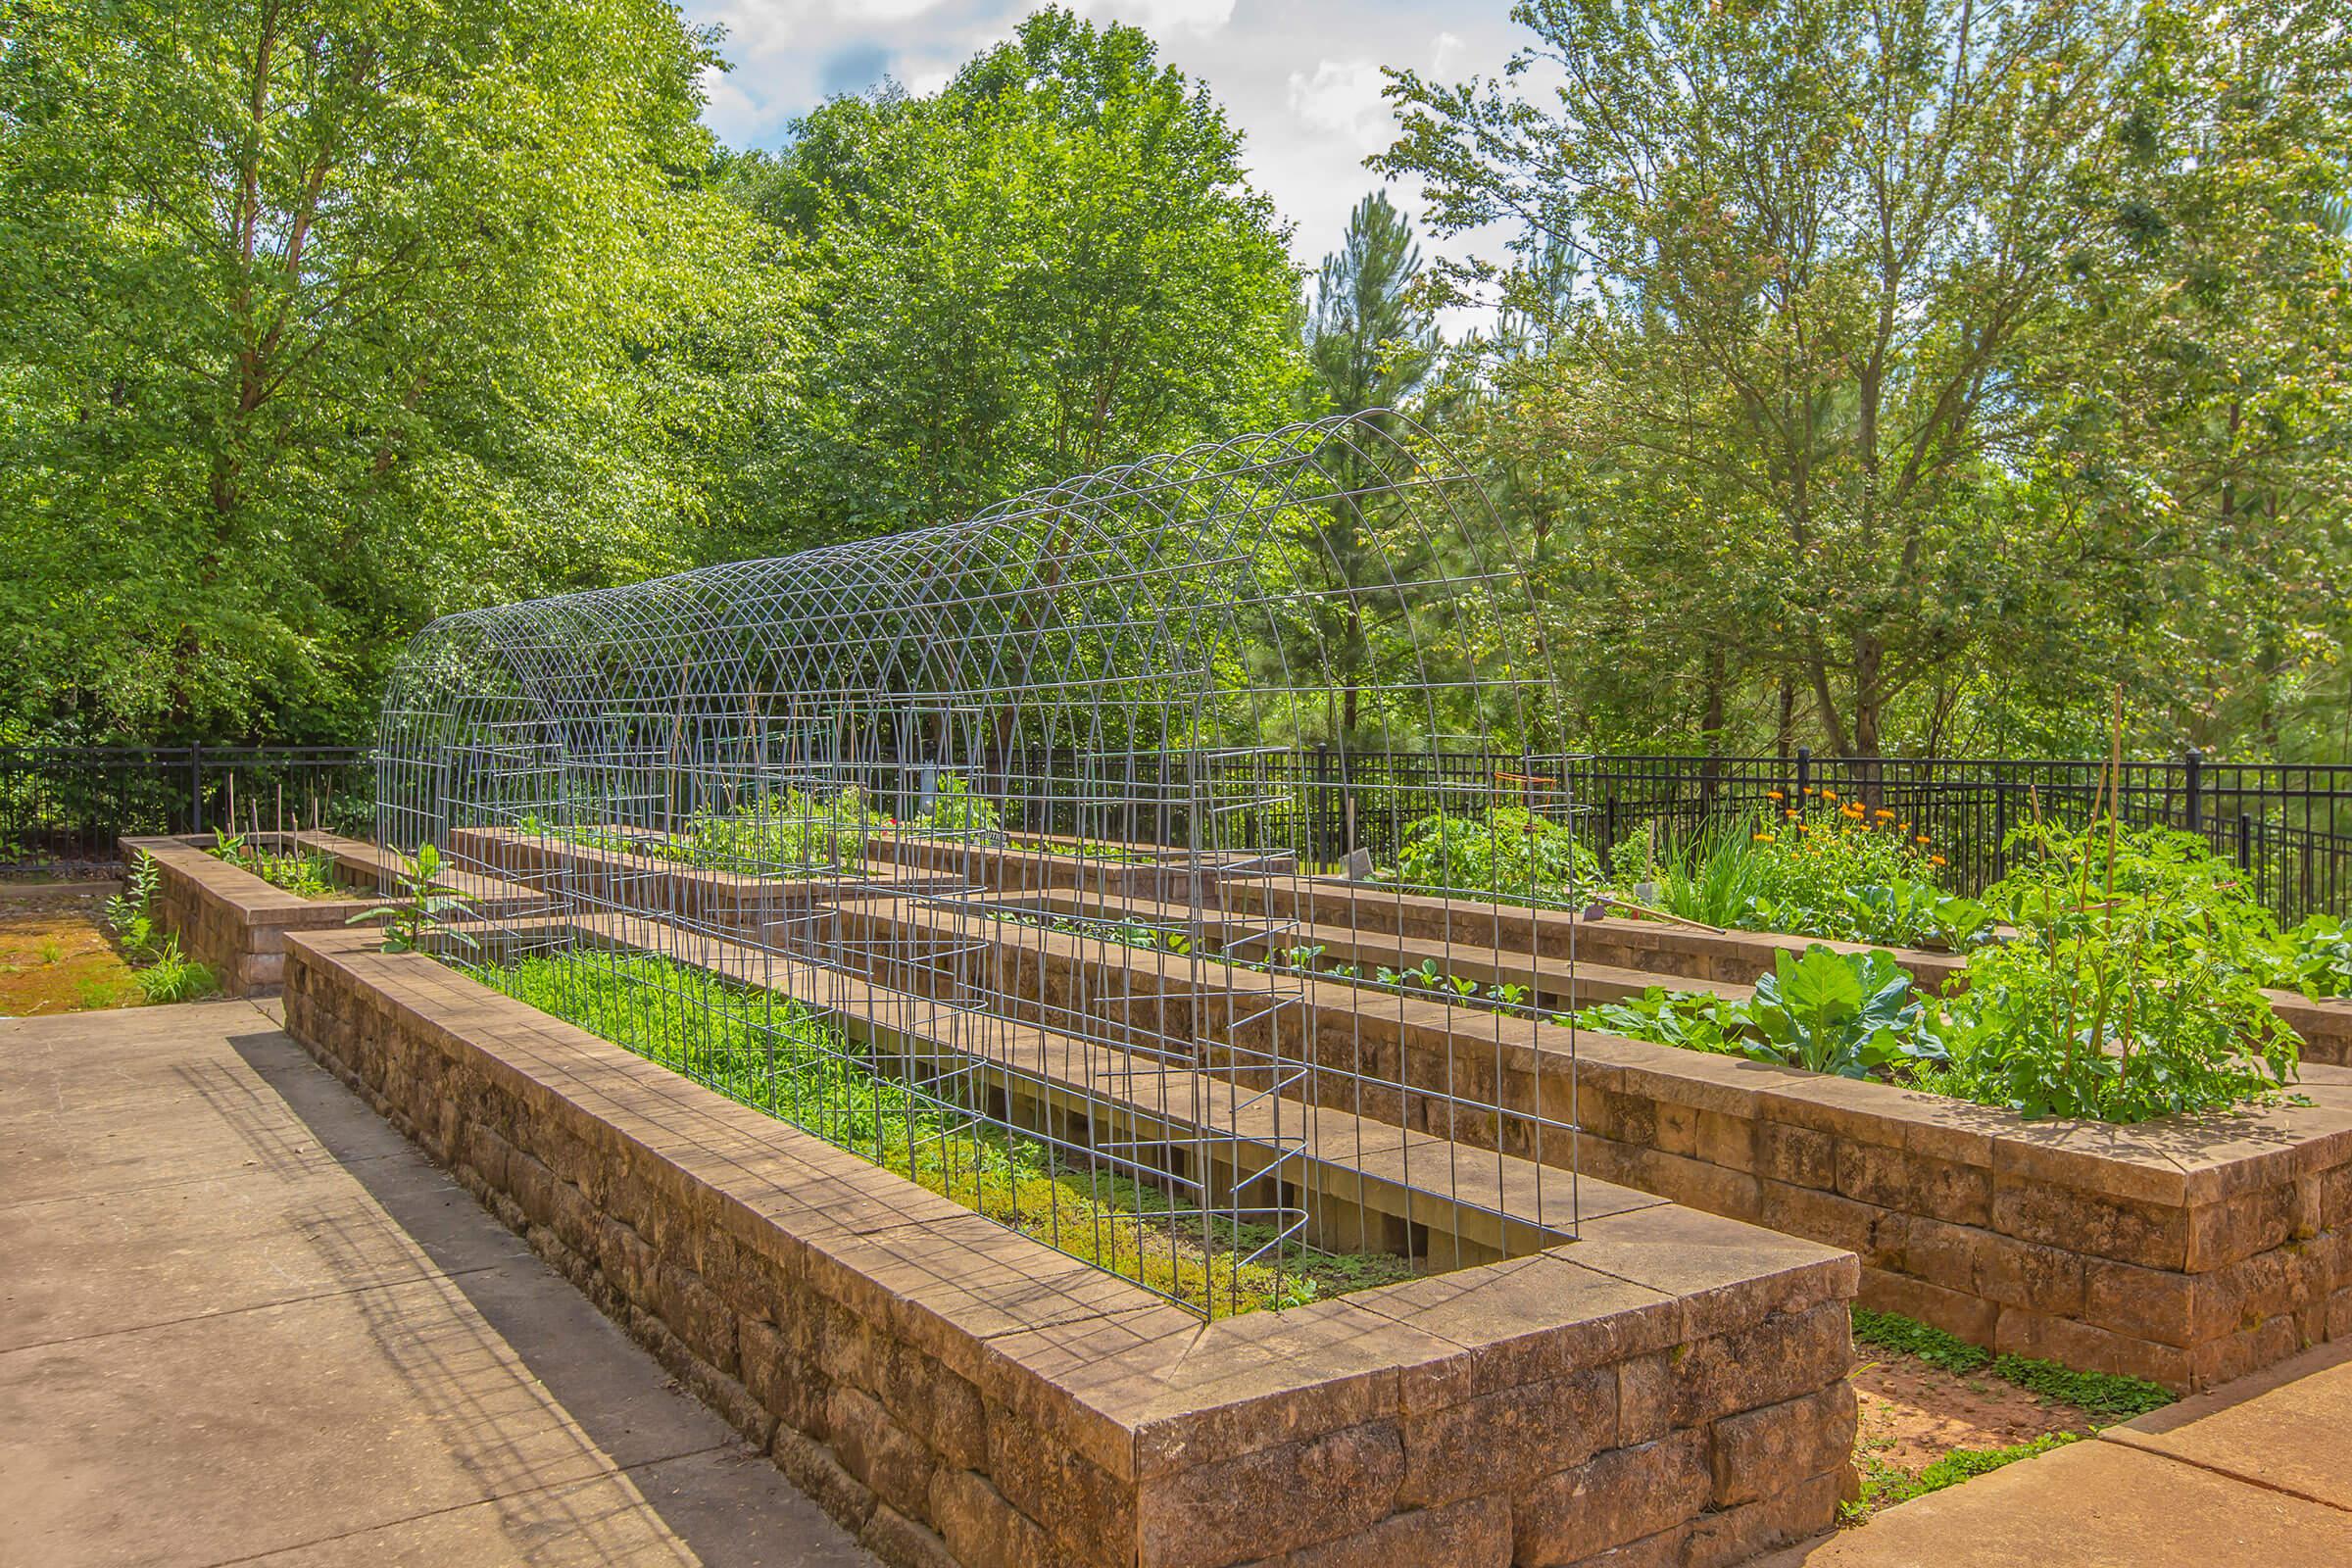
(2182, 1252)
(1669, 1389)
(228, 919)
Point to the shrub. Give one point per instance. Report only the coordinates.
(2130, 990)
(1826, 869)
(172, 976)
(1514, 854)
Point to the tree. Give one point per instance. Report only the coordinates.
(1825, 247)
(1370, 345)
(1056, 263)
(317, 318)
(1370, 341)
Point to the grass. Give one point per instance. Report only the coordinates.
(1884, 1486)
(769, 1051)
(2100, 1394)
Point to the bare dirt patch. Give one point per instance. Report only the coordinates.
(1922, 1427)
(55, 955)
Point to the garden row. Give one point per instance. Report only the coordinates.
(1671, 1387)
(2183, 1251)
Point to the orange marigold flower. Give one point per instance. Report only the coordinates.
(1921, 839)
(1810, 790)
(1764, 838)
(1828, 795)
(1790, 816)
(1774, 794)
(1883, 815)
(1937, 859)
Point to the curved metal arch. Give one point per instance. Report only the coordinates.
(1142, 654)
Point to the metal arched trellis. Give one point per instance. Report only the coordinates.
(1005, 852)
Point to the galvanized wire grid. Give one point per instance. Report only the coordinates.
(980, 828)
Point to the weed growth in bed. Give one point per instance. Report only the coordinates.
(770, 1053)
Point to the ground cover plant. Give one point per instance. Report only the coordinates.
(770, 1051)
(56, 956)
(1936, 1410)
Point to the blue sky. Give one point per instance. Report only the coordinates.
(1301, 80)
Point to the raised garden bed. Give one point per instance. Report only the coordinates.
(2184, 1253)
(229, 919)
(1619, 954)
(1669, 1388)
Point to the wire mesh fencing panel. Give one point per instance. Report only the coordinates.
(1005, 853)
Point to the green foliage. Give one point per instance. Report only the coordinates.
(1883, 1487)
(2100, 1394)
(1825, 869)
(169, 976)
(128, 914)
(958, 812)
(318, 320)
(423, 904)
(2315, 958)
(1851, 1014)
(798, 833)
(303, 873)
(1513, 853)
(2128, 990)
(770, 1051)
(1056, 262)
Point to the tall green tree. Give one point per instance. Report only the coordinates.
(317, 317)
(1856, 282)
(1370, 339)
(1371, 345)
(1056, 263)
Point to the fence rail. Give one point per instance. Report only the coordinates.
(2287, 826)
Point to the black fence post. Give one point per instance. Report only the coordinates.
(2245, 840)
(1318, 815)
(2193, 763)
(196, 789)
(1805, 771)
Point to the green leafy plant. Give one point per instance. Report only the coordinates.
(1826, 868)
(2130, 987)
(130, 913)
(170, 975)
(957, 811)
(421, 906)
(793, 834)
(2315, 958)
(1848, 1014)
(1513, 855)
(1852, 1015)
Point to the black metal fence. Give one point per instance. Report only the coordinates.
(2288, 827)
(65, 806)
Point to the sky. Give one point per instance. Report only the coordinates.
(1301, 80)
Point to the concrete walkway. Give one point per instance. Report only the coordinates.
(244, 1321)
(2259, 1472)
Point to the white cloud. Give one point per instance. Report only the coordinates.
(1299, 79)
(1343, 97)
